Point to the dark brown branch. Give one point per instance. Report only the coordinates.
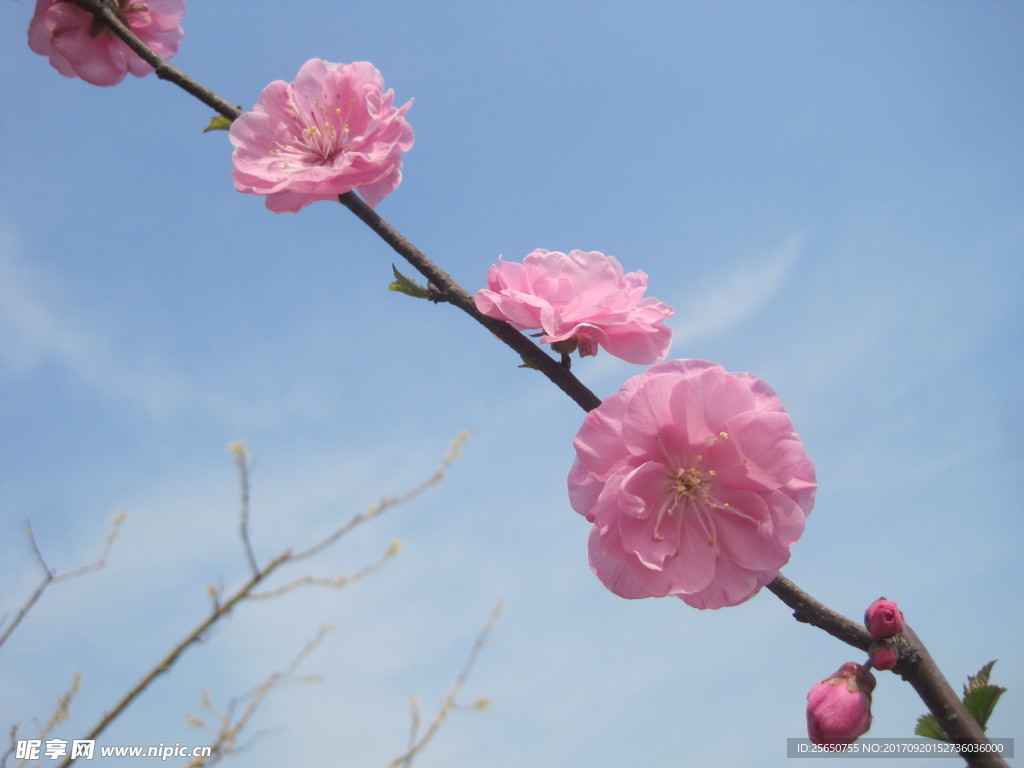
(918, 668)
(163, 70)
(915, 665)
(450, 291)
(810, 611)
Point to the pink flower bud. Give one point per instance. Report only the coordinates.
(883, 618)
(883, 656)
(839, 707)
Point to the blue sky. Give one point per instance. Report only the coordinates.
(830, 194)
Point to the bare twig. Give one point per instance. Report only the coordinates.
(231, 727)
(386, 503)
(414, 732)
(52, 576)
(247, 591)
(405, 760)
(335, 583)
(242, 459)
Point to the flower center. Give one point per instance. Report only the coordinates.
(323, 136)
(690, 486)
(688, 483)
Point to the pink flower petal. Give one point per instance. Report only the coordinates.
(580, 296)
(331, 131)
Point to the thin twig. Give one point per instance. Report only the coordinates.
(242, 458)
(414, 731)
(386, 503)
(52, 576)
(335, 583)
(247, 590)
(449, 702)
(232, 727)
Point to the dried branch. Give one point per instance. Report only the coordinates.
(336, 583)
(52, 576)
(242, 459)
(247, 591)
(231, 727)
(386, 503)
(405, 760)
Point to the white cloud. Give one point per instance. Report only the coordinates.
(40, 324)
(733, 298)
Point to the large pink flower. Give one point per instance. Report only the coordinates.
(580, 300)
(80, 46)
(332, 130)
(695, 482)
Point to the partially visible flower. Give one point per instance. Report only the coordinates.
(79, 45)
(695, 482)
(330, 131)
(839, 707)
(883, 618)
(581, 300)
(883, 656)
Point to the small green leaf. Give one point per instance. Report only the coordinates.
(528, 364)
(218, 123)
(981, 701)
(979, 680)
(403, 284)
(979, 698)
(929, 727)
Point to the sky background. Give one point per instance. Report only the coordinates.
(830, 194)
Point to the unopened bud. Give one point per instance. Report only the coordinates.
(883, 618)
(883, 656)
(839, 707)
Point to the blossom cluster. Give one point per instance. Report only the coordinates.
(693, 478)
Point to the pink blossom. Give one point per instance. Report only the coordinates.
(332, 130)
(839, 707)
(695, 482)
(580, 300)
(883, 618)
(79, 45)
